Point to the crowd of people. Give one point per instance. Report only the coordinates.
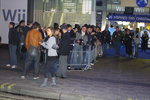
(62, 45)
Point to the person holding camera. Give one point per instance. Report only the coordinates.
(80, 42)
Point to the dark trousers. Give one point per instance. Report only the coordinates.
(32, 60)
(144, 46)
(62, 70)
(50, 66)
(129, 49)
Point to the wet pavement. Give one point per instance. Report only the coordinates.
(110, 79)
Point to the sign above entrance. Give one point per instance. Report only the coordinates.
(135, 3)
(141, 3)
(129, 18)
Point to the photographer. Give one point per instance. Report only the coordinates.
(80, 44)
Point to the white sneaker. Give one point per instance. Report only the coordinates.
(53, 83)
(92, 64)
(8, 65)
(22, 77)
(35, 78)
(14, 66)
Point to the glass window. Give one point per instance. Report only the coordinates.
(87, 6)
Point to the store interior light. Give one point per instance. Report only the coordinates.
(123, 23)
(116, 2)
(53, 10)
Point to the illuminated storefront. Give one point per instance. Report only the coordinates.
(128, 14)
(80, 12)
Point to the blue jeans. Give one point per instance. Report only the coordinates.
(104, 47)
(30, 59)
(87, 56)
(13, 55)
(136, 46)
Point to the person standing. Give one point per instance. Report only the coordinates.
(128, 43)
(26, 29)
(111, 30)
(77, 55)
(21, 33)
(106, 39)
(52, 46)
(33, 49)
(99, 43)
(64, 50)
(117, 38)
(145, 39)
(12, 42)
(136, 42)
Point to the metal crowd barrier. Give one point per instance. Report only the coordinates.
(81, 57)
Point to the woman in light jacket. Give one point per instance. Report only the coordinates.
(52, 57)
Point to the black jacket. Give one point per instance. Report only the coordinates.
(106, 37)
(13, 36)
(128, 39)
(64, 46)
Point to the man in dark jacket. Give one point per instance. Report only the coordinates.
(12, 41)
(106, 38)
(64, 50)
(117, 38)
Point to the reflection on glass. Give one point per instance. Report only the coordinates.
(63, 11)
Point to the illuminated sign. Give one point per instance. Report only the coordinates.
(11, 11)
(130, 18)
(141, 3)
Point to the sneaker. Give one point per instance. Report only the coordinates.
(14, 66)
(43, 85)
(22, 77)
(35, 78)
(52, 84)
(8, 65)
(92, 64)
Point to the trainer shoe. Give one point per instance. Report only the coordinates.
(22, 77)
(35, 78)
(92, 64)
(13, 67)
(8, 65)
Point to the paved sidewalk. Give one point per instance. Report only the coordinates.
(110, 79)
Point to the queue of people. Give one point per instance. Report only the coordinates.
(60, 46)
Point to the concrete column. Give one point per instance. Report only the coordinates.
(93, 13)
(104, 21)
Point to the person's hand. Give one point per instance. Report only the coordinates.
(40, 43)
(78, 41)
